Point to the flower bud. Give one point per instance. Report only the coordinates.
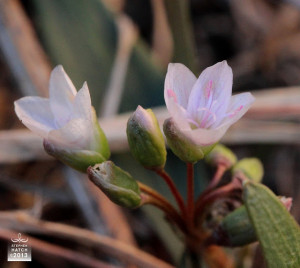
(221, 155)
(251, 168)
(286, 201)
(181, 146)
(145, 139)
(118, 185)
(77, 159)
(235, 230)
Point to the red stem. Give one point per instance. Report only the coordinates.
(213, 183)
(162, 173)
(214, 194)
(217, 177)
(190, 192)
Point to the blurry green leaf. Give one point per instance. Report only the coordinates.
(276, 230)
(82, 36)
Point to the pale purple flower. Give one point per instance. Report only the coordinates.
(65, 119)
(203, 109)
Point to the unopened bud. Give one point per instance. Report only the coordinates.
(221, 155)
(117, 184)
(145, 139)
(235, 229)
(250, 168)
(181, 146)
(286, 201)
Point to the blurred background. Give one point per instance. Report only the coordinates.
(122, 49)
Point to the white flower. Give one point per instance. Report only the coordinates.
(65, 119)
(203, 109)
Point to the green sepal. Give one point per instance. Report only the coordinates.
(182, 147)
(235, 230)
(220, 154)
(117, 184)
(145, 139)
(276, 230)
(77, 159)
(100, 143)
(251, 168)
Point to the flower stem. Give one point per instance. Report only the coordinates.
(215, 194)
(190, 193)
(213, 183)
(151, 192)
(217, 177)
(150, 196)
(162, 173)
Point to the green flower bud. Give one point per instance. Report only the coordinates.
(251, 168)
(181, 146)
(220, 154)
(118, 185)
(235, 229)
(77, 159)
(145, 139)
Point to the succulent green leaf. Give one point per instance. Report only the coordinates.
(117, 184)
(276, 230)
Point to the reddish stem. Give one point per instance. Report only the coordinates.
(190, 192)
(169, 210)
(217, 177)
(213, 183)
(162, 173)
(215, 194)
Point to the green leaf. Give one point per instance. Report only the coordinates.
(276, 230)
(82, 36)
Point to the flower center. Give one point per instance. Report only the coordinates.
(204, 117)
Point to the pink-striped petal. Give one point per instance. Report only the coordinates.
(238, 106)
(212, 89)
(178, 84)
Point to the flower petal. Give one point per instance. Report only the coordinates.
(179, 115)
(76, 134)
(35, 113)
(62, 93)
(204, 137)
(214, 86)
(82, 106)
(178, 84)
(238, 106)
